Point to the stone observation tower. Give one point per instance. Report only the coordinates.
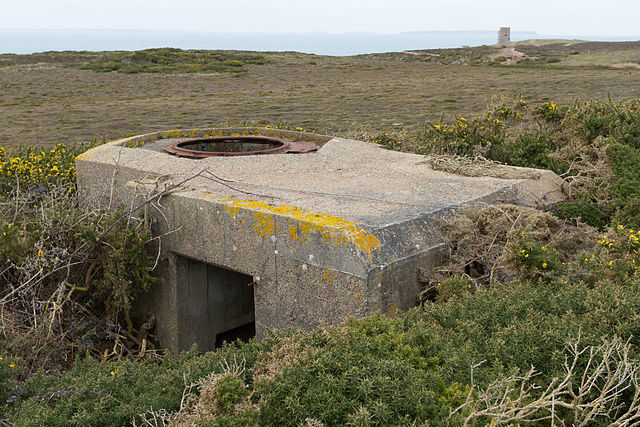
(504, 35)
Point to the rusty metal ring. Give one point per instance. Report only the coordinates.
(235, 146)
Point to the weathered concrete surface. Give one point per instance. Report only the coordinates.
(325, 235)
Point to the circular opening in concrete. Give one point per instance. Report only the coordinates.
(228, 146)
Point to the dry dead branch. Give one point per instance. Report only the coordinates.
(600, 382)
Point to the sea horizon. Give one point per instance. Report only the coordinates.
(320, 43)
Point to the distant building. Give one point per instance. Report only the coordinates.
(504, 35)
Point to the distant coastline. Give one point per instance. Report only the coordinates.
(31, 41)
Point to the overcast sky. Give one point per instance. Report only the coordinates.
(557, 17)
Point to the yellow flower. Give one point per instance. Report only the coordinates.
(544, 265)
(40, 253)
(12, 365)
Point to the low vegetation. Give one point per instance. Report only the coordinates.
(534, 319)
(171, 60)
(532, 54)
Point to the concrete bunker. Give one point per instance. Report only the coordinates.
(330, 229)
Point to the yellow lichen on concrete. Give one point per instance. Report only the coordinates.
(232, 210)
(265, 224)
(327, 275)
(293, 232)
(331, 228)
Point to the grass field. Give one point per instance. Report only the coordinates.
(47, 99)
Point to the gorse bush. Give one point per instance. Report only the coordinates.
(381, 370)
(37, 167)
(465, 137)
(114, 393)
(626, 189)
(499, 245)
(377, 371)
(496, 245)
(67, 286)
(529, 150)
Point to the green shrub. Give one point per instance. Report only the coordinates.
(530, 150)
(114, 393)
(10, 372)
(376, 367)
(388, 142)
(230, 391)
(607, 119)
(585, 210)
(454, 286)
(626, 190)
(67, 286)
(584, 143)
(381, 370)
(167, 60)
(534, 259)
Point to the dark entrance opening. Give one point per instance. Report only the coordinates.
(220, 304)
